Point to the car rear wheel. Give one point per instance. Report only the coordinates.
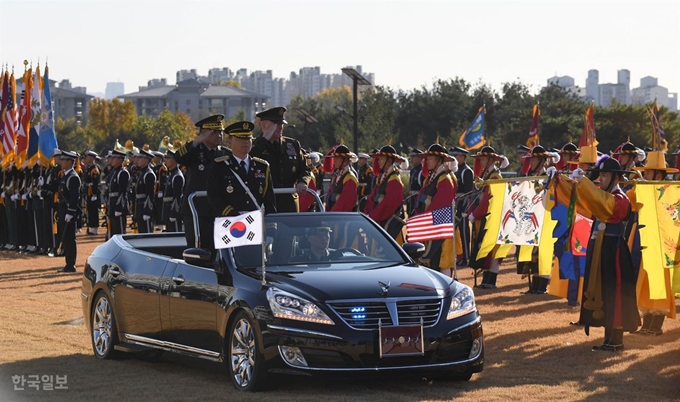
(104, 331)
(245, 361)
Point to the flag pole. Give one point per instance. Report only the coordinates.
(455, 256)
(264, 251)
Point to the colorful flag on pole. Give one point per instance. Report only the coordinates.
(473, 137)
(4, 96)
(532, 140)
(433, 225)
(588, 136)
(659, 142)
(48, 139)
(21, 153)
(522, 214)
(235, 231)
(34, 131)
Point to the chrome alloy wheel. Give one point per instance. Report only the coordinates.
(243, 353)
(102, 326)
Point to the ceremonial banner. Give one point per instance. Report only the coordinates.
(235, 231)
(473, 137)
(659, 222)
(532, 140)
(522, 213)
(20, 155)
(48, 139)
(34, 130)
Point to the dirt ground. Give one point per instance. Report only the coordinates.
(532, 353)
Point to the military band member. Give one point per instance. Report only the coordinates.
(342, 194)
(466, 184)
(172, 194)
(239, 182)
(49, 191)
(384, 203)
(69, 209)
(91, 180)
(284, 154)
(37, 209)
(161, 172)
(11, 177)
(117, 207)
(438, 191)
(144, 193)
(197, 156)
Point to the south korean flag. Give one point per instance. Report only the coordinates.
(236, 231)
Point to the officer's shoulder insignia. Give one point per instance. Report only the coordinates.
(222, 158)
(259, 160)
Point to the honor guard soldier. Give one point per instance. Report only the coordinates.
(161, 172)
(238, 182)
(286, 160)
(365, 176)
(197, 155)
(49, 191)
(117, 207)
(466, 185)
(172, 194)
(629, 156)
(144, 193)
(384, 204)
(69, 195)
(342, 195)
(415, 178)
(91, 179)
(522, 150)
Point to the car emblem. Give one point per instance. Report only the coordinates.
(384, 287)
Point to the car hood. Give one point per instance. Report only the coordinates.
(399, 281)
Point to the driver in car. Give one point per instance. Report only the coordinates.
(319, 240)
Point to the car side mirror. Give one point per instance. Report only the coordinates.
(414, 250)
(198, 256)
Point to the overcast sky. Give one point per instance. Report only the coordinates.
(406, 44)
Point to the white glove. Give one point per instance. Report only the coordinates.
(39, 193)
(160, 194)
(93, 198)
(14, 197)
(146, 217)
(551, 171)
(270, 131)
(471, 217)
(68, 217)
(301, 188)
(117, 213)
(41, 181)
(577, 174)
(173, 219)
(2, 195)
(24, 196)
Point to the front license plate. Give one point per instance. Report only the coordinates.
(401, 340)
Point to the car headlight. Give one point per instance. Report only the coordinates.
(292, 307)
(462, 303)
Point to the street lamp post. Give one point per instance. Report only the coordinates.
(357, 79)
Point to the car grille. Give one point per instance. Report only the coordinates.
(366, 315)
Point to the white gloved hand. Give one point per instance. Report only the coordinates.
(146, 217)
(93, 198)
(14, 197)
(117, 213)
(2, 195)
(24, 196)
(68, 217)
(160, 194)
(577, 174)
(41, 181)
(551, 171)
(39, 193)
(270, 132)
(301, 188)
(173, 219)
(471, 217)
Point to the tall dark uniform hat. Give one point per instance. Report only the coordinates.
(214, 122)
(240, 129)
(274, 114)
(68, 155)
(117, 154)
(453, 151)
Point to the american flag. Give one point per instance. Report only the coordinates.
(11, 119)
(433, 225)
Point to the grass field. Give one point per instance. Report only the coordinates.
(532, 353)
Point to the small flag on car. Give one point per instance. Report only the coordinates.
(236, 231)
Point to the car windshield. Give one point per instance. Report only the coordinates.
(296, 242)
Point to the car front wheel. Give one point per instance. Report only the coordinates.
(104, 332)
(245, 361)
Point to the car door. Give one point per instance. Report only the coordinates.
(193, 307)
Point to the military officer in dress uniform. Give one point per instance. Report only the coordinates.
(69, 195)
(172, 194)
(92, 178)
(197, 155)
(49, 191)
(238, 182)
(284, 154)
(144, 192)
(117, 207)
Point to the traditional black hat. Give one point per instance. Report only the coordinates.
(569, 148)
(458, 151)
(390, 152)
(608, 164)
(214, 122)
(438, 150)
(625, 148)
(522, 149)
(537, 152)
(274, 114)
(343, 151)
(240, 129)
(487, 150)
(145, 154)
(70, 155)
(117, 154)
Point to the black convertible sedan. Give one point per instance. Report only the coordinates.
(326, 292)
